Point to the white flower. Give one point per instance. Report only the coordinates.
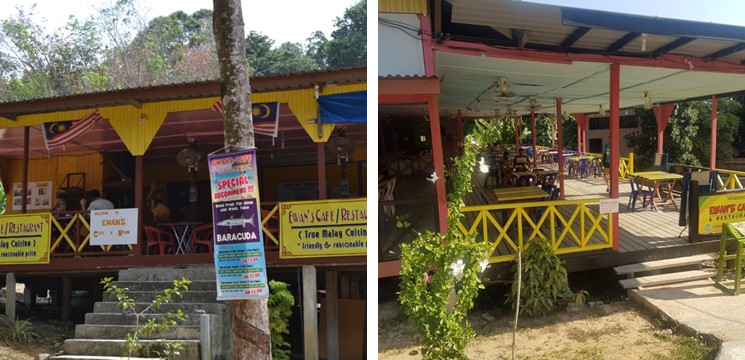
(433, 178)
(484, 168)
(484, 263)
(457, 269)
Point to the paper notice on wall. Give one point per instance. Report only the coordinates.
(608, 206)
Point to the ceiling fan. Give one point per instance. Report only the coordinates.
(533, 104)
(502, 91)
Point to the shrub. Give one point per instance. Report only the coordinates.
(17, 330)
(150, 326)
(440, 272)
(280, 306)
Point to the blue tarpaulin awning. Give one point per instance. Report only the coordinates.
(347, 108)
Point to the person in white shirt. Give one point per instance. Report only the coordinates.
(97, 203)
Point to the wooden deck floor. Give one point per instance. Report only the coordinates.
(641, 231)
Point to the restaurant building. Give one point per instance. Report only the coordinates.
(155, 138)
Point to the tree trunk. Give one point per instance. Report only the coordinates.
(250, 317)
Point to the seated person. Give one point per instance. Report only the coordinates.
(97, 203)
(60, 205)
(156, 200)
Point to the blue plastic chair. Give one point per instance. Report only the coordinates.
(553, 195)
(637, 191)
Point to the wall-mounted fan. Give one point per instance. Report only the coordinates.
(341, 146)
(190, 159)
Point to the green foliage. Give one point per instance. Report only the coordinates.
(544, 280)
(349, 45)
(403, 221)
(440, 272)
(280, 306)
(147, 327)
(17, 330)
(569, 131)
(686, 139)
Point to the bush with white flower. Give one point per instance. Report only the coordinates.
(441, 274)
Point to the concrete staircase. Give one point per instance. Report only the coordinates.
(103, 334)
(667, 271)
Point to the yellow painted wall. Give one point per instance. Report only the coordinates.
(403, 6)
(54, 169)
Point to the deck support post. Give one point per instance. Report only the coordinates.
(614, 117)
(29, 296)
(10, 294)
(332, 316)
(66, 298)
(517, 134)
(310, 318)
(713, 154)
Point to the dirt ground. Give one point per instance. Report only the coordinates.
(617, 330)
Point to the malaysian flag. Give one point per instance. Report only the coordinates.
(61, 132)
(265, 117)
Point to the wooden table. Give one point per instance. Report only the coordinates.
(520, 194)
(659, 178)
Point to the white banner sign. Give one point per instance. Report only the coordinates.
(114, 227)
(608, 206)
(38, 196)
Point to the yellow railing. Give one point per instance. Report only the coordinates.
(71, 236)
(270, 232)
(571, 226)
(732, 180)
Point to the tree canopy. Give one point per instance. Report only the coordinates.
(118, 47)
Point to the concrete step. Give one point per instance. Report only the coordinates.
(194, 272)
(670, 278)
(662, 264)
(131, 319)
(196, 285)
(186, 297)
(96, 348)
(90, 331)
(189, 308)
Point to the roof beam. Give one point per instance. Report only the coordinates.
(724, 52)
(570, 40)
(664, 49)
(520, 37)
(623, 41)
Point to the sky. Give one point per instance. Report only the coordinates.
(716, 11)
(281, 20)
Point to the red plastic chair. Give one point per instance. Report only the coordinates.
(163, 241)
(202, 237)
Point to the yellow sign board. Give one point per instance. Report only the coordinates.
(24, 238)
(717, 209)
(323, 228)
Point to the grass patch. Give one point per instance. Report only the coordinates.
(689, 348)
(592, 353)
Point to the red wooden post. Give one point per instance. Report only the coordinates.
(560, 148)
(517, 134)
(434, 128)
(615, 80)
(551, 123)
(713, 155)
(24, 181)
(427, 51)
(532, 124)
(321, 171)
(662, 114)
